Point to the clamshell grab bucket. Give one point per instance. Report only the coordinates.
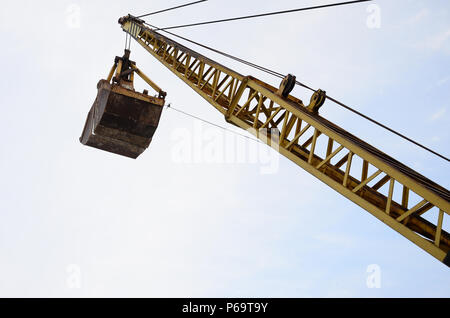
(121, 120)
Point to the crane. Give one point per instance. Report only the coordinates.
(347, 164)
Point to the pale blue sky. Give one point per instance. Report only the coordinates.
(152, 227)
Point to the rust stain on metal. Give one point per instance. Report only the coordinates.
(121, 121)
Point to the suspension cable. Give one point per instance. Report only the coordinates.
(256, 66)
(169, 106)
(387, 128)
(264, 14)
(279, 75)
(173, 8)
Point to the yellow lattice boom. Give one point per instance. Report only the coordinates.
(352, 167)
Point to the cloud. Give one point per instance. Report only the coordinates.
(439, 114)
(335, 239)
(438, 41)
(435, 139)
(419, 16)
(443, 81)
(435, 42)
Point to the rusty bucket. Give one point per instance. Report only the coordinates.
(121, 120)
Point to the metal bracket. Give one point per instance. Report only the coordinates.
(122, 73)
(131, 18)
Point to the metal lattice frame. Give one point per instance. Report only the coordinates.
(392, 192)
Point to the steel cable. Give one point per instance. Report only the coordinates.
(264, 14)
(173, 8)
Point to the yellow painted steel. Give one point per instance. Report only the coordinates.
(111, 73)
(146, 79)
(254, 106)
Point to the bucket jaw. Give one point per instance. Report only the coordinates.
(121, 120)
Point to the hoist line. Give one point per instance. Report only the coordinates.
(168, 9)
(169, 106)
(263, 14)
